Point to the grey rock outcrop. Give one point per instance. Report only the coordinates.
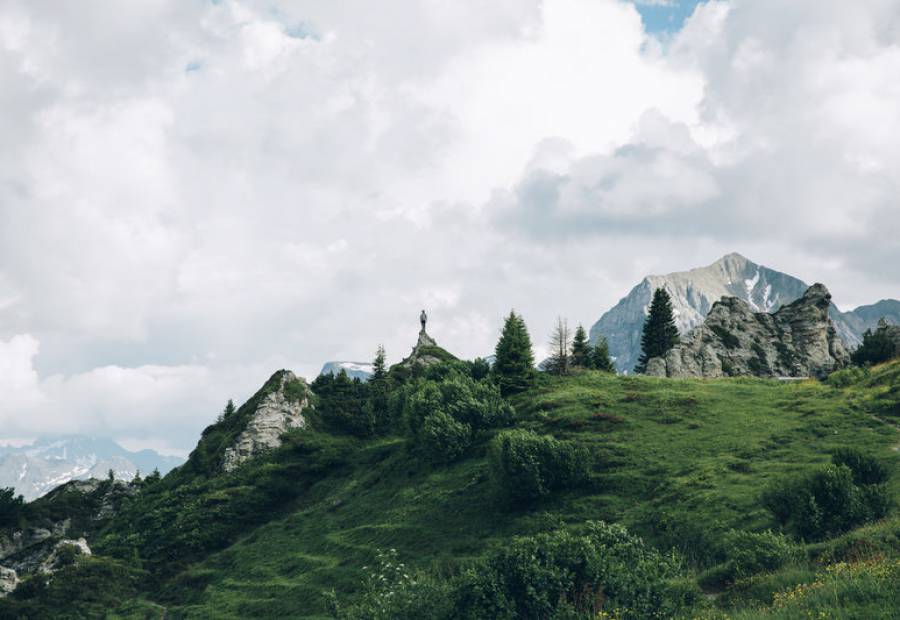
(9, 579)
(694, 292)
(56, 559)
(425, 353)
(278, 412)
(798, 340)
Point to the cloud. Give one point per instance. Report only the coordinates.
(193, 195)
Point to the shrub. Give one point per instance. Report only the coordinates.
(525, 465)
(566, 575)
(825, 502)
(748, 553)
(392, 591)
(847, 377)
(865, 467)
(443, 438)
(454, 409)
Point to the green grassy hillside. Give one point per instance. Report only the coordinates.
(681, 463)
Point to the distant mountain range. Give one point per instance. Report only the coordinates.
(354, 370)
(694, 292)
(38, 468)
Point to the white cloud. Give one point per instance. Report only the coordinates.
(195, 194)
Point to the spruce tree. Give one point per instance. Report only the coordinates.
(377, 404)
(581, 349)
(514, 360)
(660, 333)
(600, 358)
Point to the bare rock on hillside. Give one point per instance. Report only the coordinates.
(278, 412)
(798, 340)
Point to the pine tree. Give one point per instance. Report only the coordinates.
(514, 360)
(377, 404)
(379, 370)
(660, 333)
(600, 358)
(559, 347)
(581, 349)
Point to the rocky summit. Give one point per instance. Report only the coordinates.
(280, 410)
(798, 340)
(425, 353)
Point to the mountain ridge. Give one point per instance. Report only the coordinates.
(52, 460)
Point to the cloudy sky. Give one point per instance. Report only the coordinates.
(196, 193)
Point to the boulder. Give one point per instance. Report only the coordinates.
(798, 340)
(279, 411)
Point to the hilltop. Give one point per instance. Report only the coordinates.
(682, 464)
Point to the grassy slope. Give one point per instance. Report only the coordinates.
(696, 453)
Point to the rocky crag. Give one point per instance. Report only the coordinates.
(695, 292)
(278, 411)
(425, 353)
(798, 340)
(49, 544)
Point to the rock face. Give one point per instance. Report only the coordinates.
(49, 545)
(694, 292)
(799, 340)
(279, 411)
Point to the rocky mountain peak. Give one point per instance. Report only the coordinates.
(279, 409)
(798, 340)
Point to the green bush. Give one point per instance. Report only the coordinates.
(825, 503)
(443, 438)
(392, 591)
(865, 467)
(525, 466)
(453, 408)
(847, 376)
(566, 575)
(749, 553)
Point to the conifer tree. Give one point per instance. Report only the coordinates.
(377, 404)
(581, 349)
(660, 333)
(559, 347)
(600, 358)
(379, 370)
(514, 360)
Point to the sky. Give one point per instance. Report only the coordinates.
(195, 194)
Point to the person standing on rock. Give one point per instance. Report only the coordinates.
(423, 318)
